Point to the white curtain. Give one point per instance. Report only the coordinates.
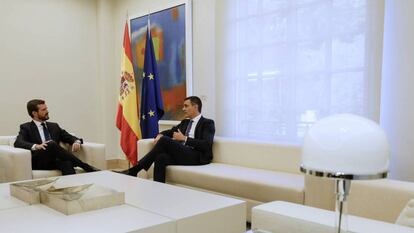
(283, 64)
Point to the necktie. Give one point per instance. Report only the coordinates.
(45, 132)
(187, 131)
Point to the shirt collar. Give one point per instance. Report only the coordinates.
(38, 123)
(197, 118)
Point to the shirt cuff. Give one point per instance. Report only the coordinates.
(33, 147)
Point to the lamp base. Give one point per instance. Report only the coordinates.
(342, 187)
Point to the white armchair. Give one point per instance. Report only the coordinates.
(16, 163)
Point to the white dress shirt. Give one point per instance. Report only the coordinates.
(40, 128)
(193, 126)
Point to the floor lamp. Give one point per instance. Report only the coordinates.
(345, 147)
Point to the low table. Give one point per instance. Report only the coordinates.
(279, 216)
(150, 207)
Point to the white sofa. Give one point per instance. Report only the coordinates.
(16, 163)
(260, 172)
(252, 171)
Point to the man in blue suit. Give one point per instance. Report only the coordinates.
(188, 143)
(42, 138)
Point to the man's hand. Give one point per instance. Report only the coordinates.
(157, 138)
(178, 136)
(41, 146)
(76, 146)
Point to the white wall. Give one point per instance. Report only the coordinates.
(108, 77)
(48, 50)
(397, 105)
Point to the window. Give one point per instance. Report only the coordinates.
(284, 64)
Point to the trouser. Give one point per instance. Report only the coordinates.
(55, 157)
(167, 152)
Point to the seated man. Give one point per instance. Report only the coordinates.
(173, 147)
(42, 139)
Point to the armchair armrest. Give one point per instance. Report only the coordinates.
(144, 146)
(15, 164)
(381, 199)
(93, 154)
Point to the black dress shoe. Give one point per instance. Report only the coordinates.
(94, 169)
(125, 172)
(90, 168)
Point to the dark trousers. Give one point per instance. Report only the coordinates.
(55, 157)
(167, 152)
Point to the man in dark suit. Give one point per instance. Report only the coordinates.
(188, 143)
(42, 139)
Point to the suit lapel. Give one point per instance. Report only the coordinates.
(198, 128)
(51, 131)
(35, 132)
(183, 126)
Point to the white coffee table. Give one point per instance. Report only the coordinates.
(150, 207)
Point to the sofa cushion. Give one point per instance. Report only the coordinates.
(406, 217)
(283, 158)
(251, 183)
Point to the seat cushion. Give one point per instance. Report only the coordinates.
(255, 184)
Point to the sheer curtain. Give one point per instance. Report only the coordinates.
(283, 64)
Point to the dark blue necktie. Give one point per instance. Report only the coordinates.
(187, 131)
(45, 132)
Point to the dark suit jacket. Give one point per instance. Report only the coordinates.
(203, 137)
(30, 135)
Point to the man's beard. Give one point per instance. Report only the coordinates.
(44, 118)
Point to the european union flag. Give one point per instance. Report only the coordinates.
(152, 107)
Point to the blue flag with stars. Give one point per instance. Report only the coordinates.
(152, 107)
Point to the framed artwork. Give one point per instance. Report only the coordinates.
(171, 36)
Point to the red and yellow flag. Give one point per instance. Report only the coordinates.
(127, 119)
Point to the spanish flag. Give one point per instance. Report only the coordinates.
(127, 119)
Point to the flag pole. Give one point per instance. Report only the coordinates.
(149, 22)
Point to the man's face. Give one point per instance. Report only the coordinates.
(42, 113)
(190, 110)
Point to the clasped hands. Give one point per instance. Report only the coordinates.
(177, 136)
(75, 146)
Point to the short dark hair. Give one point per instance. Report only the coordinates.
(195, 100)
(32, 106)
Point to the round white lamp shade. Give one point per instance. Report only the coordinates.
(346, 146)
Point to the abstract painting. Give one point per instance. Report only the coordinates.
(168, 31)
